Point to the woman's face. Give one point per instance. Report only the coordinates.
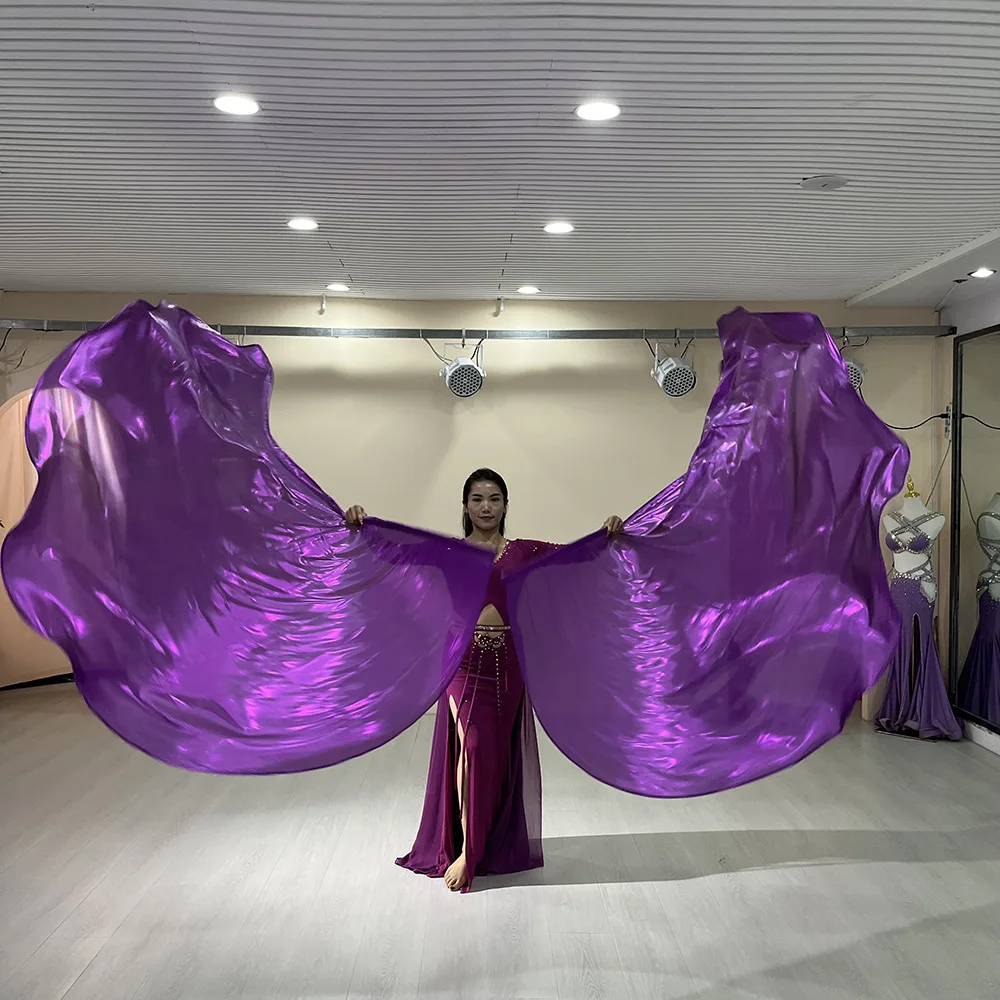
(485, 506)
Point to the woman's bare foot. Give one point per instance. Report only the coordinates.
(457, 874)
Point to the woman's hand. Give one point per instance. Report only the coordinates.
(355, 516)
(614, 525)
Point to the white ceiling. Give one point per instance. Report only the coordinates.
(944, 280)
(433, 140)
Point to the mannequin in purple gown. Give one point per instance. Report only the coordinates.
(916, 701)
(483, 804)
(979, 683)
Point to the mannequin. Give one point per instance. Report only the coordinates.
(979, 685)
(916, 702)
(911, 557)
(988, 533)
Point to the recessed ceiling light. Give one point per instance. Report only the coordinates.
(338, 287)
(303, 224)
(236, 104)
(559, 228)
(528, 290)
(982, 272)
(598, 111)
(823, 182)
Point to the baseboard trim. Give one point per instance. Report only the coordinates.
(982, 737)
(39, 682)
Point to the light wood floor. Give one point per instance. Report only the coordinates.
(871, 870)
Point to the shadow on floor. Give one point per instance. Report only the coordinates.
(672, 857)
(946, 955)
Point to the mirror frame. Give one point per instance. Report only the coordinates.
(954, 570)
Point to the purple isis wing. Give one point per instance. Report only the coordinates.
(217, 611)
(733, 628)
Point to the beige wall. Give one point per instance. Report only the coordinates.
(24, 655)
(941, 501)
(579, 428)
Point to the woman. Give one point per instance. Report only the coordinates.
(483, 805)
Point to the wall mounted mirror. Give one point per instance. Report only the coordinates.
(974, 654)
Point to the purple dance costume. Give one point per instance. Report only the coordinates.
(979, 683)
(221, 616)
(916, 700)
(503, 780)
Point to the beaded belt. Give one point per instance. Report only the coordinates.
(490, 636)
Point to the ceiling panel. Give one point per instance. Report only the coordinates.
(432, 141)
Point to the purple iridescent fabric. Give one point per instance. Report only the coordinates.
(732, 631)
(217, 611)
(220, 616)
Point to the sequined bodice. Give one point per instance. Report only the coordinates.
(917, 542)
(991, 548)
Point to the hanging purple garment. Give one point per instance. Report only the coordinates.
(979, 683)
(735, 627)
(916, 700)
(219, 616)
(217, 611)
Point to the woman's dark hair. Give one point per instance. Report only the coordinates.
(482, 476)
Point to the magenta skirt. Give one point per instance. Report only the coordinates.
(503, 777)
